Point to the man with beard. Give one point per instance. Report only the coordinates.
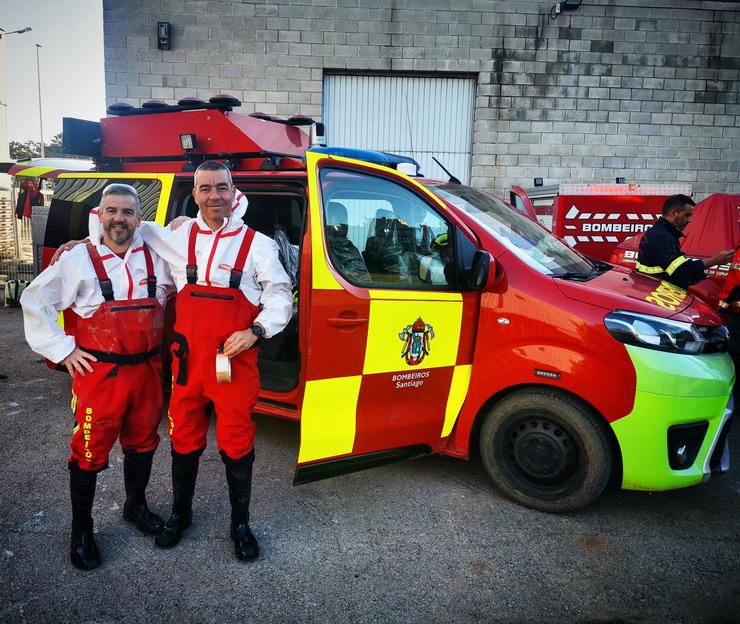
(232, 290)
(117, 288)
(660, 252)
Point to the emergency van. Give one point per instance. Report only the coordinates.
(595, 218)
(431, 317)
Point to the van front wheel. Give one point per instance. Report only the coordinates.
(546, 451)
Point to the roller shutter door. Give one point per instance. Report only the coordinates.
(419, 117)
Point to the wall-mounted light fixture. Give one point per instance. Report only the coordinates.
(565, 5)
(163, 35)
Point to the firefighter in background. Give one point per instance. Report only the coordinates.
(232, 290)
(660, 252)
(117, 287)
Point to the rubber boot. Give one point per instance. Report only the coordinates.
(184, 475)
(137, 467)
(83, 551)
(239, 478)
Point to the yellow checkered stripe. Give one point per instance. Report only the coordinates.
(670, 270)
(328, 417)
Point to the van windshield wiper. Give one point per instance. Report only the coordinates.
(578, 275)
(597, 269)
(574, 275)
(599, 266)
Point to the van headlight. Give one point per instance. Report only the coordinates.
(652, 332)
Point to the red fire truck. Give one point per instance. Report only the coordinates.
(431, 317)
(595, 218)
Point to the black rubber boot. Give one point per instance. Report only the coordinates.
(184, 475)
(239, 478)
(83, 550)
(137, 467)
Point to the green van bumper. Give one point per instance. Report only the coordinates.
(673, 389)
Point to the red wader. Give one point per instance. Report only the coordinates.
(206, 317)
(123, 394)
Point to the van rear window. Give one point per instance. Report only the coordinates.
(75, 197)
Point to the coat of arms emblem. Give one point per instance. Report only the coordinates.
(416, 339)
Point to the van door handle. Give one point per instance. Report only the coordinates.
(341, 321)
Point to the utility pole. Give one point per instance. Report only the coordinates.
(41, 119)
(4, 152)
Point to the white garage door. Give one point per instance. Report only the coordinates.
(417, 117)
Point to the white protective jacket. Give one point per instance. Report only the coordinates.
(264, 281)
(72, 283)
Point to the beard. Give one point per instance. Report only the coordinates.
(118, 236)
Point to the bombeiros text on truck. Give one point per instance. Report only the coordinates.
(429, 316)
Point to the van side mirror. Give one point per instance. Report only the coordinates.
(478, 275)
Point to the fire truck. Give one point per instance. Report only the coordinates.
(431, 317)
(595, 218)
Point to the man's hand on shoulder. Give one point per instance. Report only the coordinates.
(79, 361)
(177, 222)
(721, 257)
(66, 247)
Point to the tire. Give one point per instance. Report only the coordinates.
(545, 450)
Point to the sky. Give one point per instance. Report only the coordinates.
(70, 60)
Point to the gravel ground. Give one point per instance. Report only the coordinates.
(422, 541)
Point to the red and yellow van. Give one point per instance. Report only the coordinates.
(431, 317)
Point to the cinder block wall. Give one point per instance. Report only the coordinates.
(646, 90)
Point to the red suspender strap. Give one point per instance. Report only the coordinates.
(105, 284)
(241, 259)
(191, 269)
(151, 278)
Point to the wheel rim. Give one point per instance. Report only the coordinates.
(541, 450)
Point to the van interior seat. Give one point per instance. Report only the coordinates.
(336, 218)
(384, 254)
(344, 255)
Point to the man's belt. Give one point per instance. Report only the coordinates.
(121, 359)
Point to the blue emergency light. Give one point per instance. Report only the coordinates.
(371, 156)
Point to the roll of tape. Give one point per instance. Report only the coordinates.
(223, 368)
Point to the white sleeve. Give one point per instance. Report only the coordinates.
(165, 281)
(277, 294)
(94, 232)
(42, 300)
(164, 242)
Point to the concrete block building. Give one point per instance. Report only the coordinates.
(499, 91)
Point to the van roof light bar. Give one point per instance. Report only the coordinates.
(191, 102)
(295, 120)
(225, 100)
(408, 169)
(218, 102)
(371, 156)
(157, 105)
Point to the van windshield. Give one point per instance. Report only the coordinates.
(524, 238)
